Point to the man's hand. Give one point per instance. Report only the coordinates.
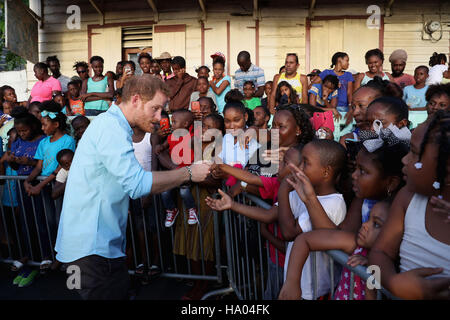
(200, 171)
(220, 204)
(414, 285)
(441, 206)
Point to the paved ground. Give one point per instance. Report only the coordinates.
(52, 286)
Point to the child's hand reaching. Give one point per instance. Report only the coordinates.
(441, 206)
(356, 260)
(220, 204)
(290, 291)
(301, 183)
(235, 190)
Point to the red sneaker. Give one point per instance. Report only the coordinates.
(171, 215)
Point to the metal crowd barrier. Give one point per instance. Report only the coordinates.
(243, 270)
(223, 241)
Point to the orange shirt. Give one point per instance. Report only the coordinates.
(77, 106)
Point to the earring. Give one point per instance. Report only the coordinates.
(436, 185)
(389, 193)
(418, 165)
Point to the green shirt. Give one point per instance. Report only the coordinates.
(252, 103)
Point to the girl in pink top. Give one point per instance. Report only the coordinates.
(46, 86)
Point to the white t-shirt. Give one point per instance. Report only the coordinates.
(334, 206)
(64, 82)
(62, 175)
(435, 74)
(233, 153)
(143, 152)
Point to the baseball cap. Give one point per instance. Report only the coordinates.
(218, 54)
(314, 72)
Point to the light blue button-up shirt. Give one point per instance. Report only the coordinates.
(103, 175)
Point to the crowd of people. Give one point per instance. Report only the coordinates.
(379, 191)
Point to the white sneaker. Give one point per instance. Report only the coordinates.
(192, 216)
(171, 215)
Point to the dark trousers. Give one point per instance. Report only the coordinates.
(103, 278)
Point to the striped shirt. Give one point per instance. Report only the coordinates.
(254, 73)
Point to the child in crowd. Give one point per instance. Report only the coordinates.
(340, 63)
(8, 93)
(267, 187)
(233, 153)
(198, 243)
(79, 125)
(129, 69)
(438, 67)
(207, 106)
(64, 158)
(378, 176)
(314, 78)
(325, 95)
(54, 126)
(7, 108)
(21, 159)
(438, 98)
(322, 164)
(415, 232)
(414, 95)
(202, 91)
(75, 103)
(267, 90)
(285, 94)
(9, 196)
(145, 61)
(203, 71)
(96, 91)
(250, 101)
(181, 119)
(155, 68)
(220, 83)
(59, 99)
(356, 246)
(262, 117)
(35, 109)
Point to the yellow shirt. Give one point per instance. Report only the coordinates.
(294, 82)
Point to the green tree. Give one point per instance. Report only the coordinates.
(8, 60)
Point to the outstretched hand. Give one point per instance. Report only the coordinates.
(200, 170)
(220, 204)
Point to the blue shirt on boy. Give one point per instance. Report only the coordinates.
(47, 152)
(415, 98)
(103, 176)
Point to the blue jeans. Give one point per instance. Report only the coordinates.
(274, 281)
(186, 195)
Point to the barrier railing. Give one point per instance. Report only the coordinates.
(28, 227)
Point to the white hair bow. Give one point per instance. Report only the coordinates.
(391, 135)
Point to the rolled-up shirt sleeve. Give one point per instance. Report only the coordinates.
(115, 148)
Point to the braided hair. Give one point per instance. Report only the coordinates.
(440, 122)
(302, 120)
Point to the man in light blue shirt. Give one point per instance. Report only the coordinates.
(103, 176)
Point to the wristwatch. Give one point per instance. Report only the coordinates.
(244, 184)
(190, 173)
